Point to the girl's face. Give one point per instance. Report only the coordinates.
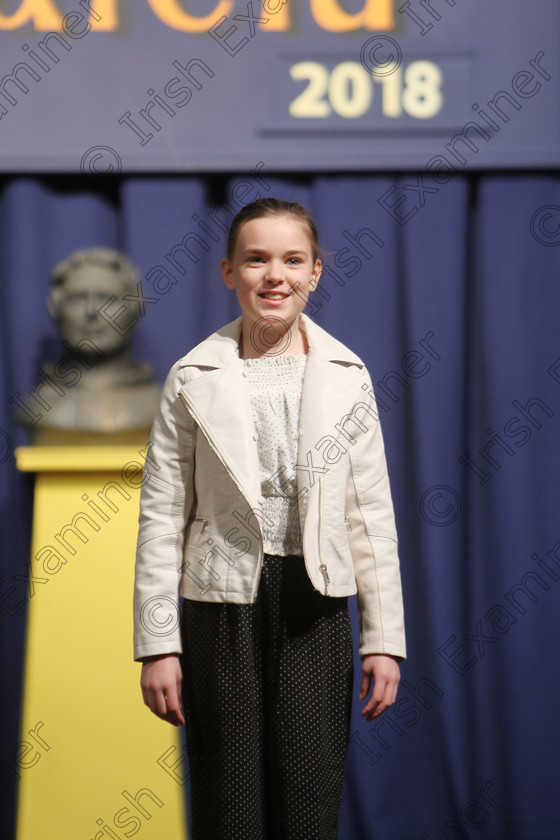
(273, 269)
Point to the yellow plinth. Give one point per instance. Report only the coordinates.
(94, 762)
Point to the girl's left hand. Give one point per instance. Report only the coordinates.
(385, 673)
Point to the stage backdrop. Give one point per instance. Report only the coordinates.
(455, 313)
(218, 85)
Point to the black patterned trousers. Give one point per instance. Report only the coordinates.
(267, 691)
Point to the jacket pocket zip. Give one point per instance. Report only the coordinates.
(322, 566)
(202, 519)
(326, 577)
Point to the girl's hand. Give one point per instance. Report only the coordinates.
(160, 682)
(385, 673)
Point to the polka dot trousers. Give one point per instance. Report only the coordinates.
(267, 691)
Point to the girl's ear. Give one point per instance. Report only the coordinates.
(227, 273)
(317, 269)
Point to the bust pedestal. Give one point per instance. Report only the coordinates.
(94, 762)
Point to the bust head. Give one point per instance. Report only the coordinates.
(96, 393)
(87, 289)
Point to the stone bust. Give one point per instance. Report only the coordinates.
(94, 393)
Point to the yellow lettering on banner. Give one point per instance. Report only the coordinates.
(103, 15)
(376, 14)
(277, 15)
(173, 14)
(43, 13)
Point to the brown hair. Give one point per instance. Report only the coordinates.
(272, 207)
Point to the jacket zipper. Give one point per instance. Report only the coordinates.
(322, 566)
(326, 577)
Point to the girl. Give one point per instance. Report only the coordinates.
(265, 503)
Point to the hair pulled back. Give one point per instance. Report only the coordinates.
(272, 207)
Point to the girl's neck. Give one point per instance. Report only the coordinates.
(271, 338)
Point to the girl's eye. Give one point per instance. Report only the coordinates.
(294, 261)
(255, 258)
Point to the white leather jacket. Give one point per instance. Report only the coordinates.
(201, 501)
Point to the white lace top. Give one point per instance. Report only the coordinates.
(275, 384)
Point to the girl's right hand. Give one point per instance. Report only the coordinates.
(160, 682)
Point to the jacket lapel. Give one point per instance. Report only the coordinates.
(218, 399)
(326, 397)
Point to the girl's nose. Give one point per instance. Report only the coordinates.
(274, 270)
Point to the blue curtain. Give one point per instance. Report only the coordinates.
(451, 296)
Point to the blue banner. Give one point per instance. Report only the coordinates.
(104, 86)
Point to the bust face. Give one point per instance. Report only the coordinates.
(86, 290)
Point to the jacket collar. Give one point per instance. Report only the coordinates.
(222, 347)
(218, 399)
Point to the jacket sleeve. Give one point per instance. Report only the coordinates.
(166, 501)
(373, 536)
